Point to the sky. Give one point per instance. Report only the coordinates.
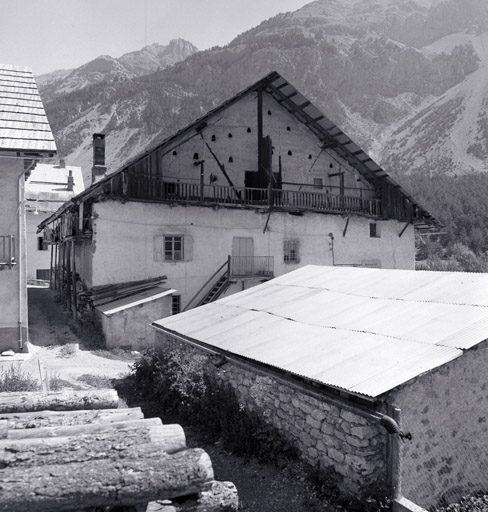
(62, 34)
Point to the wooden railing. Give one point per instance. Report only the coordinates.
(153, 188)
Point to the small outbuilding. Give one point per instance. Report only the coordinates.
(378, 374)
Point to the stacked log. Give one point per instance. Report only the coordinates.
(112, 458)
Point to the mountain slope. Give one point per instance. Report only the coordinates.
(397, 75)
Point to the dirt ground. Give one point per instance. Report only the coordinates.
(62, 356)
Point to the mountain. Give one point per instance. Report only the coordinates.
(156, 56)
(108, 69)
(402, 77)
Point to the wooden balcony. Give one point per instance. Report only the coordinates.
(153, 188)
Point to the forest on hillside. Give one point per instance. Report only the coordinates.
(460, 203)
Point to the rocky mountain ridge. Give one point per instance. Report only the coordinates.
(402, 77)
(151, 58)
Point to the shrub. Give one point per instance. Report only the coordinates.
(190, 388)
(16, 379)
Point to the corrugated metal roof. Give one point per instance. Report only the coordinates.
(23, 122)
(46, 188)
(358, 329)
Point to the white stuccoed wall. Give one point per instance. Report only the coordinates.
(123, 241)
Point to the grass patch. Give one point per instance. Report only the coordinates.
(96, 381)
(68, 350)
(15, 379)
(118, 354)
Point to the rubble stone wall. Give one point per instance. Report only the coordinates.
(325, 430)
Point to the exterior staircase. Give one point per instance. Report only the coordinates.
(216, 291)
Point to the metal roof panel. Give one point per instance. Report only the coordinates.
(362, 330)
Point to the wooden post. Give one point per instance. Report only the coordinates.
(51, 266)
(80, 217)
(73, 280)
(202, 185)
(67, 278)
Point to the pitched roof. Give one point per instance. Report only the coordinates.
(24, 126)
(46, 188)
(328, 133)
(366, 331)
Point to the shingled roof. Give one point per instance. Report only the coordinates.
(24, 128)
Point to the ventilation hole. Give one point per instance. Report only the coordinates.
(230, 159)
(288, 129)
(331, 165)
(195, 156)
(249, 130)
(230, 135)
(174, 153)
(310, 157)
(289, 152)
(269, 112)
(214, 138)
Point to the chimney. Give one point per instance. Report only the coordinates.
(70, 180)
(62, 163)
(99, 169)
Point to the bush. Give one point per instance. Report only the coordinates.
(15, 379)
(189, 387)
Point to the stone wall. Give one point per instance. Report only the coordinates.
(446, 412)
(325, 430)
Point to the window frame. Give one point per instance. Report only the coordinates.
(291, 251)
(175, 304)
(42, 245)
(170, 250)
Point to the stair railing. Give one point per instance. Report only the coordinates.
(219, 273)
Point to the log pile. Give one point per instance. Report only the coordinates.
(101, 459)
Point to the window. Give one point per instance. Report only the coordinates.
(175, 304)
(374, 230)
(7, 251)
(318, 183)
(41, 244)
(173, 248)
(290, 251)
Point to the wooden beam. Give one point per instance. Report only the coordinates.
(404, 229)
(345, 227)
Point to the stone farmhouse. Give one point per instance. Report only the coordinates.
(25, 137)
(378, 374)
(255, 188)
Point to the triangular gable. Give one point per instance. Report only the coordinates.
(324, 129)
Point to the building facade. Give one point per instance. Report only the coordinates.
(25, 137)
(47, 188)
(259, 186)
